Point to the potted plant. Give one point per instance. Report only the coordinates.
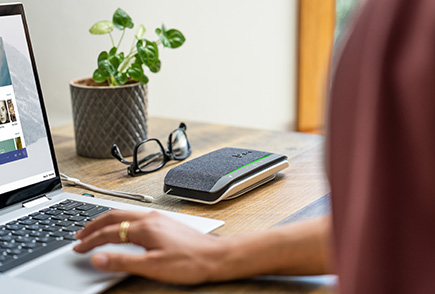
(111, 107)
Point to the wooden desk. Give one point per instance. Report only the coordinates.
(294, 194)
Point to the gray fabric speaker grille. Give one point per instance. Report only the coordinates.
(203, 172)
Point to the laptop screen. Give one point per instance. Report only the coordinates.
(26, 153)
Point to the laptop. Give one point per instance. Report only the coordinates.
(37, 219)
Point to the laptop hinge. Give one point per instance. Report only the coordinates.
(34, 202)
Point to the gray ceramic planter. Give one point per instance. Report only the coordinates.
(106, 115)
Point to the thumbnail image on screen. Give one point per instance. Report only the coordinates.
(4, 115)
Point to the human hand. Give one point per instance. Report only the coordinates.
(175, 253)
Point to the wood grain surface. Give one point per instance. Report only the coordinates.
(294, 189)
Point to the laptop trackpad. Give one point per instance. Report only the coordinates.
(74, 271)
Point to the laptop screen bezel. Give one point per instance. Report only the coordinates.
(50, 185)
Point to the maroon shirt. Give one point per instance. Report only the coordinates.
(381, 150)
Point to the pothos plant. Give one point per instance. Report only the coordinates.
(117, 68)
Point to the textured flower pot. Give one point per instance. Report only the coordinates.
(105, 115)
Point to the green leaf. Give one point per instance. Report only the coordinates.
(121, 20)
(120, 78)
(155, 67)
(163, 36)
(170, 39)
(98, 76)
(113, 51)
(103, 56)
(140, 32)
(106, 68)
(175, 38)
(135, 71)
(115, 60)
(144, 80)
(147, 51)
(137, 59)
(101, 27)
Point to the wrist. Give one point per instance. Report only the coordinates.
(231, 258)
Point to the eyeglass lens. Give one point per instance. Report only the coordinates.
(180, 145)
(150, 156)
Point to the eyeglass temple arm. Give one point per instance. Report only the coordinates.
(117, 154)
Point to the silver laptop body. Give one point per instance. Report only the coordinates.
(30, 181)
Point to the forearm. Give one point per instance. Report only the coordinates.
(296, 249)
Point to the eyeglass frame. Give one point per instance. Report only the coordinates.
(168, 155)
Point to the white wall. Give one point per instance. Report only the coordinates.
(237, 67)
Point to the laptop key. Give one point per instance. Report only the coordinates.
(10, 245)
(38, 234)
(60, 217)
(6, 238)
(70, 237)
(20, 233)
(25, 239)
(29, 245)
(53, 212)
(50, 228)
(15, 227)
(14, 251)
(70, 206)
(41, 216)
(72, 228)
(85, 207)
(72, 212)
(43, 241)
(59, 234)
(34, 227)
(80, 223)
(45, 222)
(94, 212)
(28, 221)
(64, 223)
(76, 218)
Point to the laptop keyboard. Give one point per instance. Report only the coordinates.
(41, 232)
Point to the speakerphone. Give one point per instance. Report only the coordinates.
(223, 174)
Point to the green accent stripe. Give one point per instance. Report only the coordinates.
(248, 164)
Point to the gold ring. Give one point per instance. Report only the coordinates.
(123, 229)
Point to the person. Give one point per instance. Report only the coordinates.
(4, 117)
(380, 163)
(12, 111)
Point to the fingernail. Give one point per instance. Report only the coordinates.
(100, 260)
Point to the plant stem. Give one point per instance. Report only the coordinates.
(111, 38)
(120, 39)
(112, 81)
(127, 60)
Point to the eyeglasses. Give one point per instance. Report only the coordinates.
(149, 155)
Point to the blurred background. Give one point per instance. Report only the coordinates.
(240, 65)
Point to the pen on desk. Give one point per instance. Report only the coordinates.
(135, 196)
